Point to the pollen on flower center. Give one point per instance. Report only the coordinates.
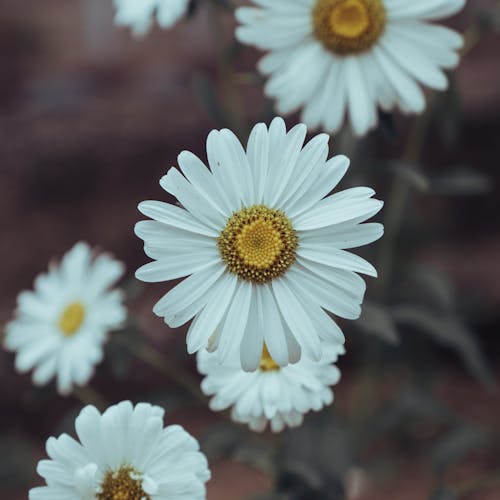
(267, 363)
(258, 244)
(122, 484)
(348, 26)
(71, 318)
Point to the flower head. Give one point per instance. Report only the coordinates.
(61, 326)
(270, 395)
(123, 454)
(262, 244)
(138, 14)
(338, 57)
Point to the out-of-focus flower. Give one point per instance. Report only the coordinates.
(338, 57)
(274, 395)
(125, 453)
(60, 327)
(139, 14)
(262, 243)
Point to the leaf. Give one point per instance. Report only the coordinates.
(443, 493)
(376, 320)
(449, 331)
(458, 443)
(461, 181)
(413, 175)
(433, 287)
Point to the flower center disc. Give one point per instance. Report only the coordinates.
(348, 26)
(267, 363)
(258, 244)
(122, 485)
(71, 318)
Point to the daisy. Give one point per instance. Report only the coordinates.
(263, 246)
(274, 395)
(338, 57)
(123, 454)
(60, 327)
(138, 14)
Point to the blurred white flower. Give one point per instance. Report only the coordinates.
(338, 57)
(274, 395)
(138, 14)
(262, 243)
(60, 327)
(123, 454)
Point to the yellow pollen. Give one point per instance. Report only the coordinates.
(267, 363)
(258, 244)
(123, 484)
(71, 318)
(348, 26)
(349, 19)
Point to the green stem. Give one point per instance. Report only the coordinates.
(227, 77)
(89, 396)
(168, 368)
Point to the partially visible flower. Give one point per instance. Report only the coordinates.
(123, 454)
(338, 57)
(263, 244)
(60, 327)
(139, 14)
(270, 395)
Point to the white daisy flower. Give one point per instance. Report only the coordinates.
(338, 57)
(262, 243)
(61, 326)
(274, 395)
(139, 14)
(123, 454)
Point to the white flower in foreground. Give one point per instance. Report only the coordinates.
(123, 454)
(332, 57)
(274, 395)
(138, 14)
(60, 327)
(262, 243)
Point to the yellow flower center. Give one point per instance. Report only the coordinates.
(258, 244)
(267, 363)
(348, 26)
(123, 484)
(71, 318)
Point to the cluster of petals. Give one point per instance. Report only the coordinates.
(276, 397)
(139, 14)
(289, 313)
(81, 283)
(327, 86)
(125, 452)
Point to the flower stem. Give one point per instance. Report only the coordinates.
(89, 396)
(226, 77)
(168, 368)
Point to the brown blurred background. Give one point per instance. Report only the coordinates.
(90, 118)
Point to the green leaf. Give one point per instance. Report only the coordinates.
(450, 331)
(413, 175)
(376, 320)
(458, 443)
(461, 181)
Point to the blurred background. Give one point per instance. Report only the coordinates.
(90, 118)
